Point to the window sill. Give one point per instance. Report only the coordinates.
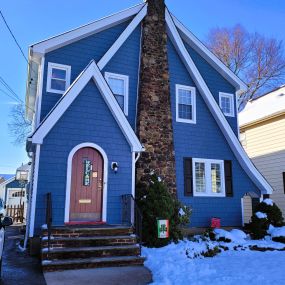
(55, 91)
(185, 121)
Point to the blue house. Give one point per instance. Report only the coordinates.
(83, 94)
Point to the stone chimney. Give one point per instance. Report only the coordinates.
(154, 122)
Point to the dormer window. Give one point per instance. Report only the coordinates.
(226, 101)
(119, 85)
(58, 79)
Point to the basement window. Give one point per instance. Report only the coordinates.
(58, 78)
(119, 85)
(226, 101)
(185, 104)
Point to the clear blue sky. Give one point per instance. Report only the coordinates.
(32, 21)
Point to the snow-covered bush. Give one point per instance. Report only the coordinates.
(277, 234)
(155, 201)
(234, 235)
(266, 213)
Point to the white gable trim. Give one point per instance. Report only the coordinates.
(91, 71)
(69, 174)
(235, 145)
(122, 38)
(84, 31)
(199, 47)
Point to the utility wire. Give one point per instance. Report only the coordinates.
(5, 22)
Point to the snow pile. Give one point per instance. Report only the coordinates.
(268, 202)
(234, 235)
(261, 215)
(276, 232)
(170, 265)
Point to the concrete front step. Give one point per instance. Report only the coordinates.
(59, 242)
(72, 231)
(64, 264)
(87, 252)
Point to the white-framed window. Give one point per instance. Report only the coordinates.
(208, 177)
(185, 104)
(226, 101)
(119, 85)
(58, 77)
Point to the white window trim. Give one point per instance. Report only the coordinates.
(231, 97)
(126, 87)
(193, 101)
(208, 181)
(67, 68)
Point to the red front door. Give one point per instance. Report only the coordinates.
(86, 186)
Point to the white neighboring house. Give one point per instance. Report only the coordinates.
(262, 134)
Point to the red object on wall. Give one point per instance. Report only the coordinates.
(215, 223)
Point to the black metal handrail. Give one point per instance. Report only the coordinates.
(48, 217)
(132, 215)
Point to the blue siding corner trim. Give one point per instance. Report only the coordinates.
(78, 55)
(204, 140)
(88, 119)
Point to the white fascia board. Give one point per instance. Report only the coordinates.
(91, 71)
(231, 138)
(84, 31)
(199, 47)
(7, 181)
(122, 38)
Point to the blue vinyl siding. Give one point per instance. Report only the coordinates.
(215, 82)
(126, 61)
(78, 55)
(204, 140)
(88, 119)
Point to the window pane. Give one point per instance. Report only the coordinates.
(57, 84)
(226, 105)
(117, 86)
(200, 180)
(184, 104)
(184, 97)
(185, 111)
(120, 100)
(216, 177)
(58, 73)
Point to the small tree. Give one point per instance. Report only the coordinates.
(156, 202)
(266, 213)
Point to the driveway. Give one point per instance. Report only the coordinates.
(19, 268)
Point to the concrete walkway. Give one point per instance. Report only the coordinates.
(131, 275)
(18, 268)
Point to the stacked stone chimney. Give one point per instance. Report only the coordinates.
(154, 123)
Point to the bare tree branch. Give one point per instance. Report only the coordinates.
(19, 126)
(257, 60)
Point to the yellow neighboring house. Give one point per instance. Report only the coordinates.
(262, 134)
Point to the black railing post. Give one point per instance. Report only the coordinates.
(49, 217)
(129, 203)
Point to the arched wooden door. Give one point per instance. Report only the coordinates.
(86, 186)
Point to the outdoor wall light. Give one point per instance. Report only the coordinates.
(114, 166)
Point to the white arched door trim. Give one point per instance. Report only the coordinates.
(68, 179)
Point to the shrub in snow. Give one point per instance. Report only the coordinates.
(232, 236)
(277, 234)
(155, 201)
(266, 213)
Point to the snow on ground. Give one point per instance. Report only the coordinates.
(170, 264)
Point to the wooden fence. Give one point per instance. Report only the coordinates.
(16, 212)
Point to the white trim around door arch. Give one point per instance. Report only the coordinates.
(68, 179)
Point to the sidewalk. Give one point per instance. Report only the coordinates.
(131, 275)
(18, 268)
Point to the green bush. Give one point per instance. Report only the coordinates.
(258, 227)
(155, 201)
